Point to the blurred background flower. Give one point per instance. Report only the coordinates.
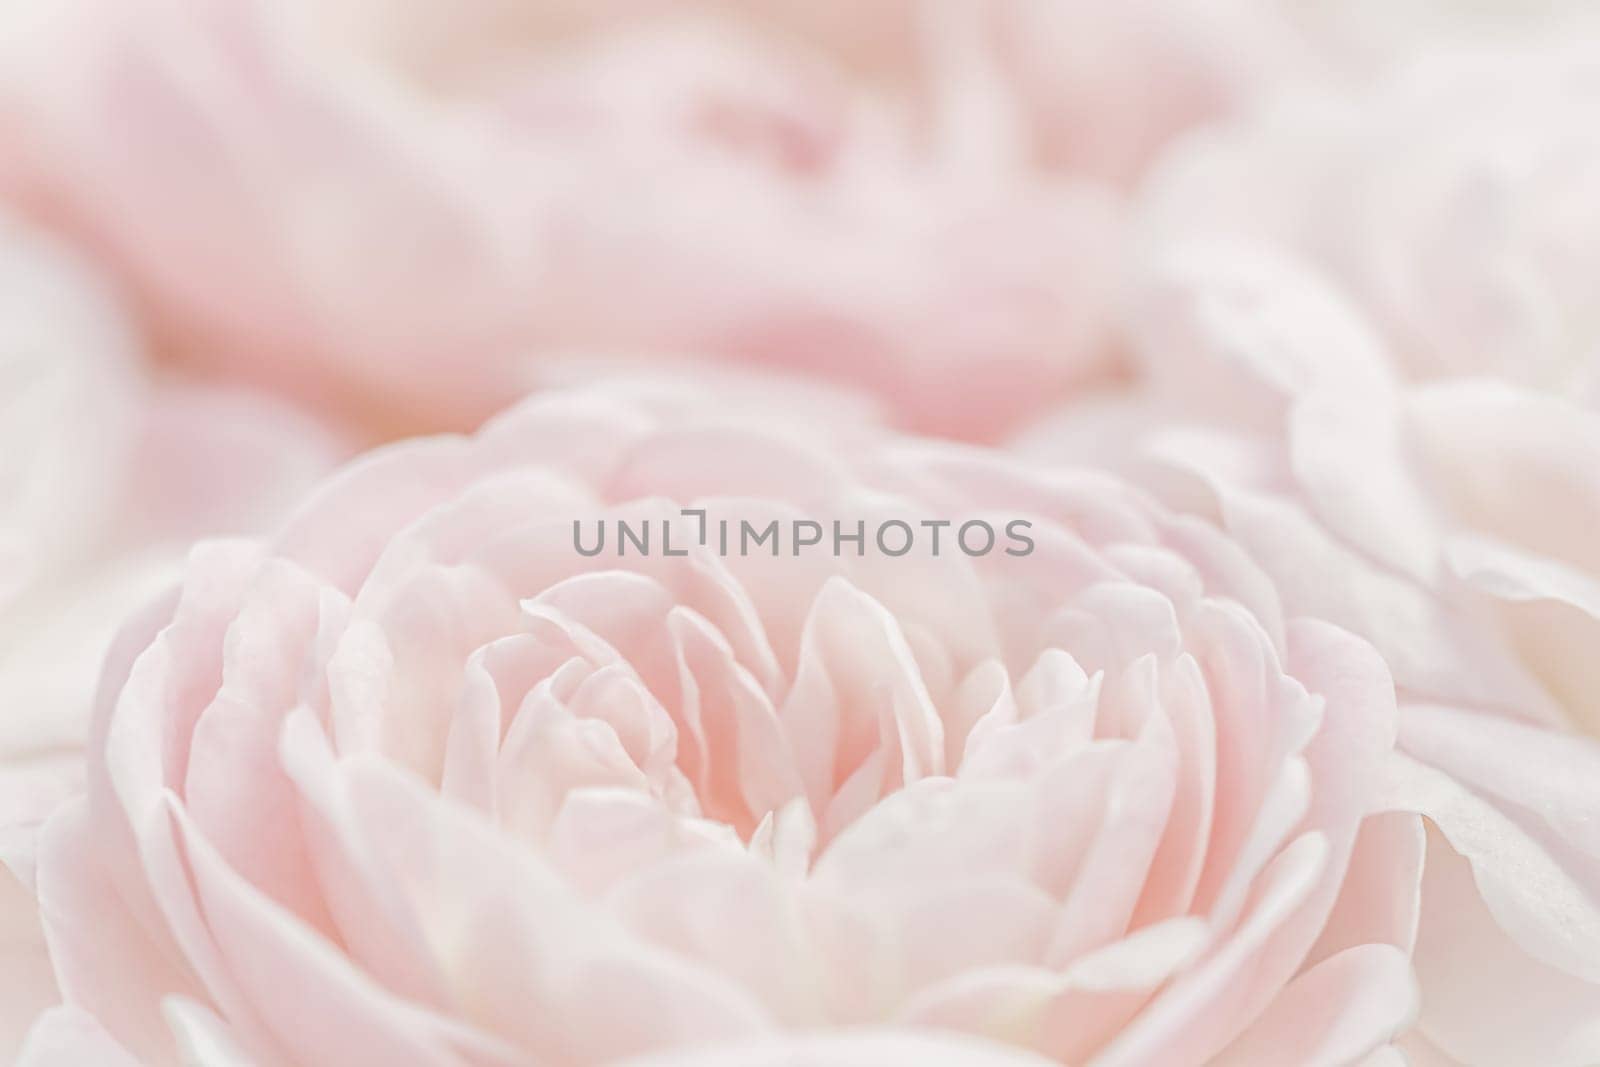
(1454, 199)
(404, 212)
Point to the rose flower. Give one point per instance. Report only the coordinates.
(1452, 200)
(416, 782)
(403, 213)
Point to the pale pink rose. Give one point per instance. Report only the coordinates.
(1088, 88)
(1453, 200)
(417, 782)
(1451, 525)
(409, 220)
(103, 478)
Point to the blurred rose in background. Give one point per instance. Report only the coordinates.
(1318, 276)
(1453, 199)
(405, 212)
